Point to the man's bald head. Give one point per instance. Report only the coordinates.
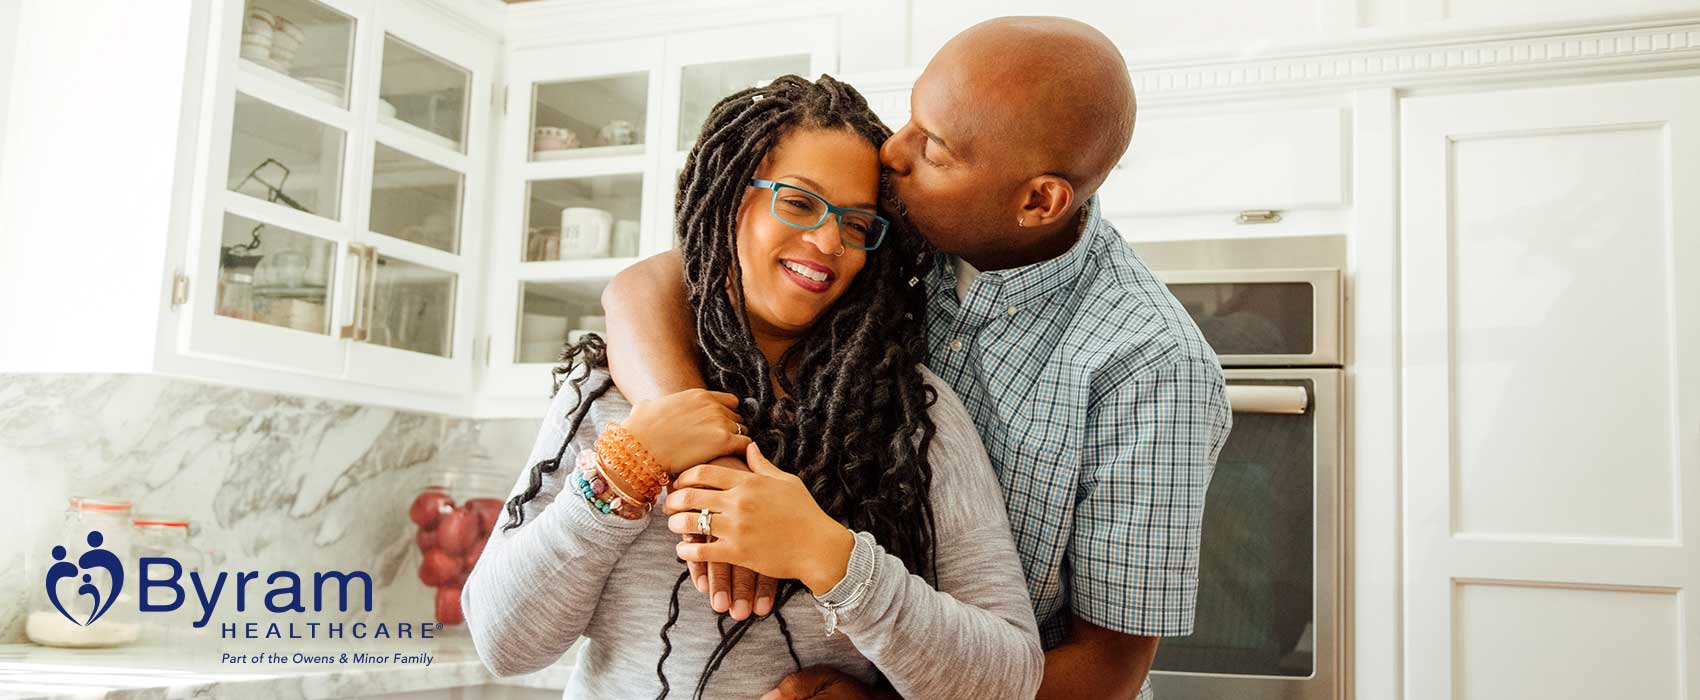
(1013, 125)
(1055, 91)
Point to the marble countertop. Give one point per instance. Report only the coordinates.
(30, 672)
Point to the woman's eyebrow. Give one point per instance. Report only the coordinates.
(817, 189)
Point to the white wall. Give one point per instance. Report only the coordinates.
(8, 48)
(88, 184)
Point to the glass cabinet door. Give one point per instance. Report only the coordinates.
(583, 218)
(424, 93)
(328, 263)
(416, 200)
(304, 40)
(274, 275)
(553, 314)
(590, 118)
(286, 158)
(703, 86)
(412, 307)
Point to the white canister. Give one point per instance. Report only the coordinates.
(586, 232)
(626, 232)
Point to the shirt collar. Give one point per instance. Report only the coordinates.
(1020, 286)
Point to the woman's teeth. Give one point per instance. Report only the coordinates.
(808, 272)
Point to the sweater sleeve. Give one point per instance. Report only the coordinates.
(535, 587)
(974, 636)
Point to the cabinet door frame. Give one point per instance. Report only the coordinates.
(527, 384)
(1441, 558)
(205, 333)
(378, 364)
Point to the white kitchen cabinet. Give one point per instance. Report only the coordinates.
(593, 138)
(1551, 382)
(382, 114)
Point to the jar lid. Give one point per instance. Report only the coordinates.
(104, 505)
(155, 520)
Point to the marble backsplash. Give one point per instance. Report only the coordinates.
(268, 481)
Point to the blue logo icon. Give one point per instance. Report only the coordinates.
(95, 558)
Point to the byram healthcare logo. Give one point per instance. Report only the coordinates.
(290, 594)
(95, 558)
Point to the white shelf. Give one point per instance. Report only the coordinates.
(568, 270)
(587, 152)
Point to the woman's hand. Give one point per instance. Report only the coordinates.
(764, 519)
(688, 428)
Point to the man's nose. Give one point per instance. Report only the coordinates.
(892, 155)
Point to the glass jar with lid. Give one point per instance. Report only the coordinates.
(161, 536)
(89, 596)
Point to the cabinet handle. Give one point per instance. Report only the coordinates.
(369, 296)
(362, 290)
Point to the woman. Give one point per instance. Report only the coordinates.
(803, 307)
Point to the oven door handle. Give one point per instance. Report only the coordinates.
(1265, 398)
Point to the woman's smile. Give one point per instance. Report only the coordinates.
(812, 276)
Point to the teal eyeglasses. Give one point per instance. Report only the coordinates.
(862, 230)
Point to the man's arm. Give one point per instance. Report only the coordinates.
(1097, 663)
(1151, 445)
(651, 340)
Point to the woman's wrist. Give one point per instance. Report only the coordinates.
(831, 560)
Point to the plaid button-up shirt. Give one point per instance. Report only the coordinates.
(1103, 410)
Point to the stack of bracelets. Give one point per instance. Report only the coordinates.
(619, 452)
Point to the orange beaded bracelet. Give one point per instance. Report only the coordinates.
(621, 451)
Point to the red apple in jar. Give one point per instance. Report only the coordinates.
(429, 506)
(448, 606)
(457, 530)
(438, 568)
(488, 510)
(473, 552)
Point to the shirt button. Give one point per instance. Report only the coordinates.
(1012, 310)
(956, 344)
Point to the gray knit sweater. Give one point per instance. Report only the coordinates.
(571, 571)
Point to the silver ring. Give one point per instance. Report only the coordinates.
(740, 427)
(705, 525)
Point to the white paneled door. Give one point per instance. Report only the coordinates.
(1551, 326)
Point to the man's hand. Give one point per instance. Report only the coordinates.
(732, 589)
(826, 683)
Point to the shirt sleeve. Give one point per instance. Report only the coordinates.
(1151, 446)
(533, 590)
(974, 636)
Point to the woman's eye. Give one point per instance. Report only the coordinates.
(798, 203)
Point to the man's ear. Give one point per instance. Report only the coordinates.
(1048, 199)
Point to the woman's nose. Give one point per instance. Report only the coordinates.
(826, 238)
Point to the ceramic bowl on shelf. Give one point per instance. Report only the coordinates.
(259, 23)
(554, 138)
(287, 36)
(617, 133)
(386, 109)
(255, 51)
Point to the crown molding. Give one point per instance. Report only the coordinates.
(487, 18)
(1536, 54)
(1454, 58)
(549, 24)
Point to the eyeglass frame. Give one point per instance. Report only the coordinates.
(773, 188)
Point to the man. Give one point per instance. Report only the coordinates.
(1101, 405)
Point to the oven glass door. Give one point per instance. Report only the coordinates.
(1264, 317)
(1266, 581)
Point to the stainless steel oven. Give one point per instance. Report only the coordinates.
(1271, 614)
